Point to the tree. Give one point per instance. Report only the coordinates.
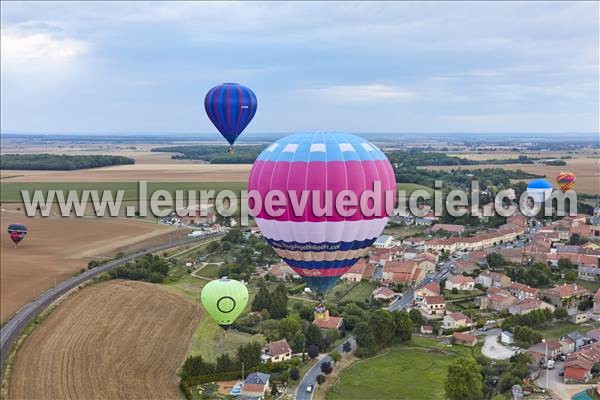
(495, 260)
(289, 327)
(383, 327)
(298, 342)
(313, 351)
(464, 381)
(365, 339)
(195, 366)
(347, 347)
(564, 264)
(321, 379)
(249, 354)
(294, 374)
(314, 335)
(454, 290)
(278, 306)
(262, 300)
(326, 367)
(416, 317)
(335, 356)
(561, 313)
(403, 326)
(570, 276)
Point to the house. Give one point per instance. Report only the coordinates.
(325, 321)
(431, 289)
(565, 295)
(577, 338)
(551, 347)
(383, 293)
(594, 334)
(283, 272)
(277, 351)
(413, 241)
(463, 266)
(460, 282)
(384, 242)
(356, 272)
(506, 337)
(578, 318)
(406, 272)
(567, 345)
(597, 302)
(527, 305)
(588, 273)
(577, 371)
(433, 307)
(464, 339)
(426, 330)
(450, 228)
(256, 385)
(522, 291)
(426, 262)
(456, 320)
(493, 279)
(500, 299)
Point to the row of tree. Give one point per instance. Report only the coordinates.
(248, 354)
(381, 330)
(214, 154)
(149, 268)
(60, 162)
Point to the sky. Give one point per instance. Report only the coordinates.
(480, 67)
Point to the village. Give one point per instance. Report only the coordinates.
(527, 286)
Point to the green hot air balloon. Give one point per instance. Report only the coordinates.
(224, 299)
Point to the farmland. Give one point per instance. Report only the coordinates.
(141, 329)
(57, 248)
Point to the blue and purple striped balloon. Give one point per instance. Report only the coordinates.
(230, 107)
(321, 248)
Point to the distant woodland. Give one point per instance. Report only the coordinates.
(59, 162)
(214, 154)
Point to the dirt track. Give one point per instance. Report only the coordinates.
(56, 248)
(117, 339)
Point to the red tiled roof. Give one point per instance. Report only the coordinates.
(460, 279)
(329, 323)
(434, 299)
(464, 337)
(578, 374)
(278, 348)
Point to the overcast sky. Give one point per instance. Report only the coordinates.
(116, 67)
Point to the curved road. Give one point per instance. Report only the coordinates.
(311, 375)
(14, 326)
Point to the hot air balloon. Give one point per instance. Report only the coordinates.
(17, 232)
(539, 190)
(321, 248)
(566, 180)
(224, 300)
(230, 107)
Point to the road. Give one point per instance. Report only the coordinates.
(14, 326)
(311, 375)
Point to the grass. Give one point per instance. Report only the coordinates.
(417, 371)
(210, 340)
(210, 270)
(350, 291)
(11, 191)
(592, 286)
(561, 328)
(411, 187)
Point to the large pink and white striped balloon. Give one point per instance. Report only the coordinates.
(319, 246)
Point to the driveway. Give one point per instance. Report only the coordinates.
(494, 350)
(311, 376)
(556, 385)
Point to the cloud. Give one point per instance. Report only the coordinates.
(360, 93)
(35, 49)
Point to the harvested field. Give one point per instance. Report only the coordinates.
(155, 172)
(113, 340)
(56, 248)
(587, 170)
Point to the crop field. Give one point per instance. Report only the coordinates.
(56, 248)
(116, 339)
(587, 170)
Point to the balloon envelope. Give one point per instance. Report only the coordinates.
(539, 190)
(17, 232)
(321, 248)
(224, 300)
(230, 107)
(566, 180)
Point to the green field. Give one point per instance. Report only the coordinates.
(411, 187)
(411, 372)
(350, 291)
(11, 191)
(210, 270)
(561, 328)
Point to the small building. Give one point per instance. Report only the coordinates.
(450, 228)
(456, 320)
(493, 279)
(588, 273)
(594, 334)
(577, 338)
(384, 242)
(552, 348)
(578, 318)
(460, 282)
(277, 351)
(597, 302)
(431, 289)
(433, 307)
(506, 337)
(426, 330)
(522, 291)
(325, 321)
(256, 385)
(283, 272)
(527, 305)
(465, 339)
(356, 272)
(566, 295)
(383, 293)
